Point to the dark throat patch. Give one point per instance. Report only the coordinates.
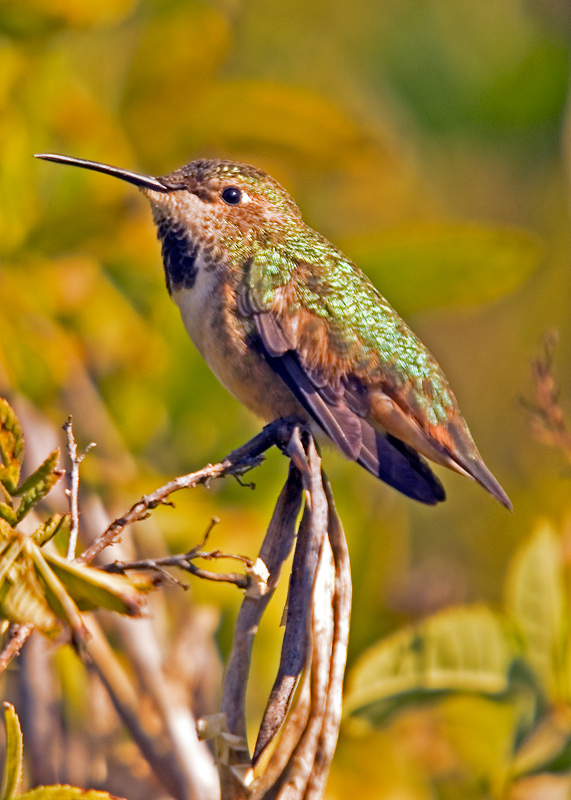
(180, 253)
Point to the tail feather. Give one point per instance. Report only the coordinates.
(464, 452)
(399, 465)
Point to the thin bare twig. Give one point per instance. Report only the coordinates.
(237, 462)
(184, 561)
(15, 638)
(73, 490)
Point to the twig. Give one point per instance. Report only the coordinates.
(161, 686)
(15, 638)
(42, 725)
(290, 779)
(237, 462)
(73, 490)
(184, 561)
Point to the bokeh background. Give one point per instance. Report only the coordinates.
(427, 138)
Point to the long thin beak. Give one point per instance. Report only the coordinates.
(144, 181)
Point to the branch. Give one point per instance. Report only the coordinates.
(184, 561)
(237, 463)
(15, 638)
(73, 490)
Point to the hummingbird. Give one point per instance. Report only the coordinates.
(291, 327)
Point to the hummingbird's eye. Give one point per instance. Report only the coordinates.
(232, 196)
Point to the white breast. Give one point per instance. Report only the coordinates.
(196, 305)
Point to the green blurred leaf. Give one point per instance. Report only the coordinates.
(432, 266)
(91, 588)
(548, 747)
(270, 115)
(14, 759)
(537, 600)
(11, 447)
(37, 486)
(457, 650)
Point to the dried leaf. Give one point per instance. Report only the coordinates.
(9, 554)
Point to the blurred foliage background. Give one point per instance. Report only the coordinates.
(427, 138)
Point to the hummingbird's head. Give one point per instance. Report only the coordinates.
(221, 199)
(238, 194)
(220, 209)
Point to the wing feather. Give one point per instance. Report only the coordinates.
(384, 406)
(384, 456)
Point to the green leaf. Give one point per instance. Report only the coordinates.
(457, 650)
(11, 447)
(62, 792)
(9, 554)
(432, 266)
(537, 600)
(56, 595)
(8, 514)
(6, 530)
(91, 588)
(36, 487)
(50, 528)
(14, 762)
(23, 600)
